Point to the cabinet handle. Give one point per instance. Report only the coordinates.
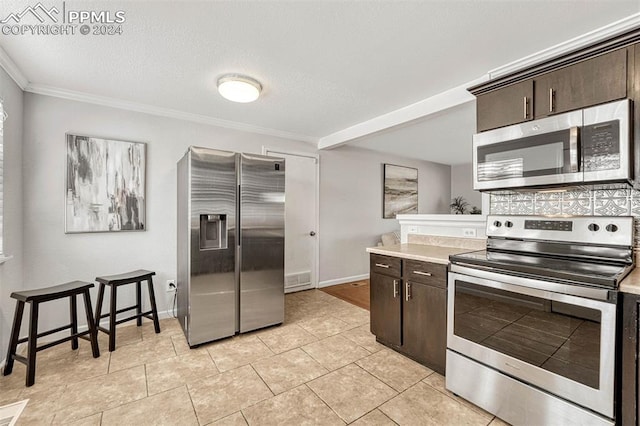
(426, 274)
(551, 99)
(382, 265)
(396, 289)
(525, 107)
(407, 291)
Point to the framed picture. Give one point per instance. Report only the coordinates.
(105, 188)
(400, 191)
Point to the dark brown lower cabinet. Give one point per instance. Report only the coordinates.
(409, 308)
(385, 305)
(424, 324)
(630, 369)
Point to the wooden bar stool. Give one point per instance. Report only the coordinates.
(114, 281)
(34, 298)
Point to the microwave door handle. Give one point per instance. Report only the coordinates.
(573, 149)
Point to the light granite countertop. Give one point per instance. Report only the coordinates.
(631, 283)
(423, 252)
(440, 254)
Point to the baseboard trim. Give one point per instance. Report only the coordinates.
(297, 288)
(343, 280)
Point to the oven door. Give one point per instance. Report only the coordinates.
(562, 344)
(541, 152)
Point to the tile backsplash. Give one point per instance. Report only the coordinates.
(572, 202)
(587, 202)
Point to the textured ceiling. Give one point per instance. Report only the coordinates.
(324, 65)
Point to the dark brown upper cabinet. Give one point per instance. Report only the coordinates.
(591, 82)
(509, 105)
(566, 84)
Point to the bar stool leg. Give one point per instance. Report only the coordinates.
(15, 335)
(73, 313)
(139, 303)
(99, 304)
(91, 324)
(112, 318)
(33, 338)
(152, 299)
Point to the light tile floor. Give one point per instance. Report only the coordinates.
(321, 367)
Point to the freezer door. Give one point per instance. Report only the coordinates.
(261, 241)
(212, 290)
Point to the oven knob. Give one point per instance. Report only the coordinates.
(594, 227)
(497, 224)
(611, 227)
(508, 224)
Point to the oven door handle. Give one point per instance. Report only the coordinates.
(520, 284)
(529, 291)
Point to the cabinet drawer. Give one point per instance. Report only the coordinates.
(386, 265)
(424, 272)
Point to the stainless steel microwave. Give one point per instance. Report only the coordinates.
(592, 145)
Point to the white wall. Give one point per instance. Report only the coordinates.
(11, 271)
(351, 205)
(350, 197)
(55, 257)
(462, 184)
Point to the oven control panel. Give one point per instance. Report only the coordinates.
(614, 230)
(549, 225)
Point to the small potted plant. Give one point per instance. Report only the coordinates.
(458, 205)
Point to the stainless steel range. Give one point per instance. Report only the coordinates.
(531, 326)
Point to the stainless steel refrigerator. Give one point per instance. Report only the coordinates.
(230, 243)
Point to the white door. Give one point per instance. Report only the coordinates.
(301, 220)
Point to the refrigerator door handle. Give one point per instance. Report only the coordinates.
(239, 215)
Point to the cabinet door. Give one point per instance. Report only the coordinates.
(386, 303)
(509, 105)
(587, 83)
(425, 324)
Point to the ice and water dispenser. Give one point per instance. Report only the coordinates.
(213, 231)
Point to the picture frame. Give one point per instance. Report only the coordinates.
(400, 190)
(105, 187)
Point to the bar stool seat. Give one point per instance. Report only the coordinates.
(34, 298)
(114, 281)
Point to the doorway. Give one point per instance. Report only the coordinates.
(301, 219)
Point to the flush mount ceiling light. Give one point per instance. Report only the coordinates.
(239, 88)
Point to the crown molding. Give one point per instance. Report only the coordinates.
(622, 26)
(12, 69)
(40, 89)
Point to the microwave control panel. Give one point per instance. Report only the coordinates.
(601, 146)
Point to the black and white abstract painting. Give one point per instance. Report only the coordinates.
(400, 191)
(105, 185)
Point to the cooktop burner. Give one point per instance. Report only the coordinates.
(575, 271)
(578, 250)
